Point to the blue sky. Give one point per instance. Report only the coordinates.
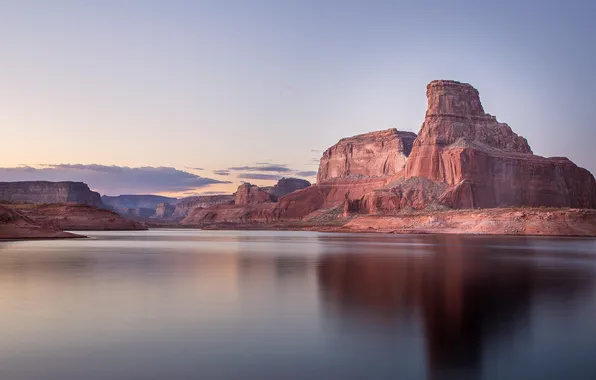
(230, 84)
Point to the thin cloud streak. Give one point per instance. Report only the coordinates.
(276, 168)
(260, 176)
(221, 172)
(308, 173)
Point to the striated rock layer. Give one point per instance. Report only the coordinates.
(379, 153)
(484, 163)
(49, 192)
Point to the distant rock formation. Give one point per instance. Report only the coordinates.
(164, 210)
(43, 221)
(249, 204)
(185, 205)
(15, 225)
(249, 194)
(379, 153)
(484, 163)
(49, 192)
(134, 201)
(286, 186)
(77, 217)
(348, 170)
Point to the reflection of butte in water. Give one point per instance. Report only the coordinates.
(462, 292)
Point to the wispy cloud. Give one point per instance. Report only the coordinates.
(221, 172)
(261, 176)
(113, 180)
(191, 168)
(263, 167)
(307, 173)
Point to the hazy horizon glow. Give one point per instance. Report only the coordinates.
(205, 87)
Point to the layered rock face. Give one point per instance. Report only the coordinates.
(484, 162)
(379, 153)
(249, 194)
(49, 192)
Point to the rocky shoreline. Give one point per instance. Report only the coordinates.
(25, 221)
(505, 221)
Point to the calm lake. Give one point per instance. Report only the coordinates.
(188, 304)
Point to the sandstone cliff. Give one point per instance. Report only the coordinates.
(49, 192)
(379, 153)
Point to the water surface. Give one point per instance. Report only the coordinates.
(187, 304)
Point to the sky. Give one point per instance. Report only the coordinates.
(193, 97)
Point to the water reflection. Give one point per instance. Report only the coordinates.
(464, 292)
(258, 305)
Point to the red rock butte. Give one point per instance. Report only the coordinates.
(484, 163)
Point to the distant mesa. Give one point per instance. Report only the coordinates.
(39, 192)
